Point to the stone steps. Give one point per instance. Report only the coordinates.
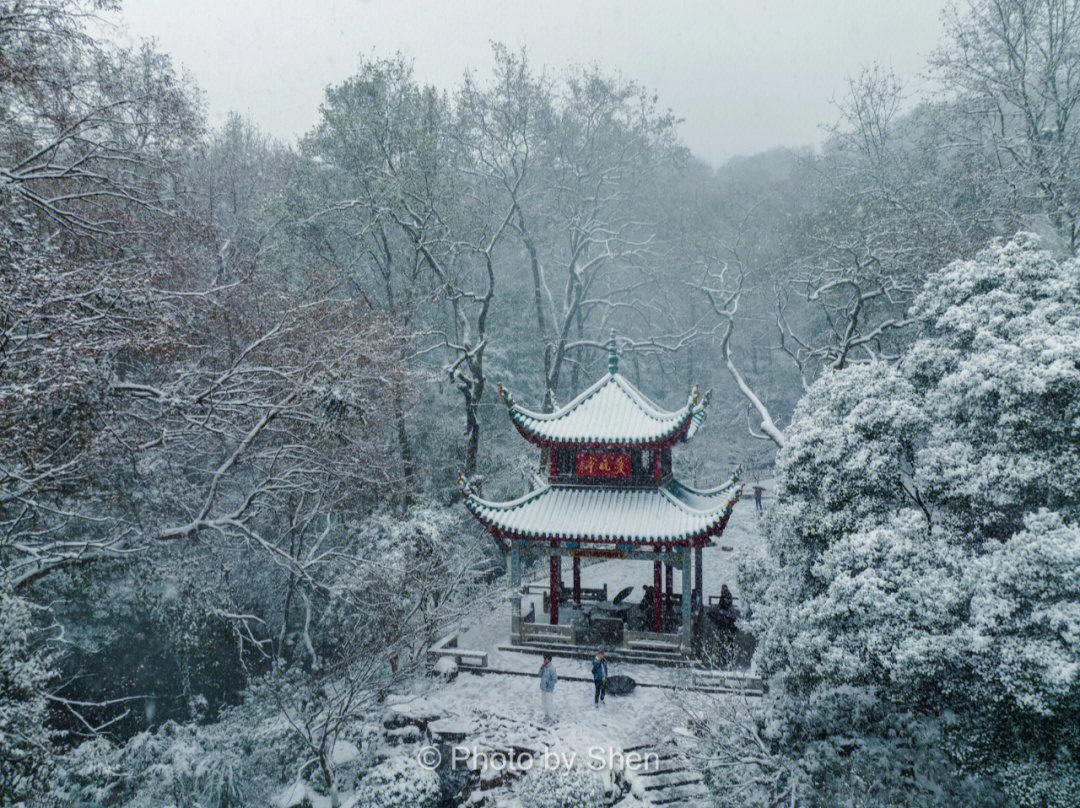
(661, 767)
(730, 680)
(667, 778)
(653, 645)
(647, 657)
(680, 796)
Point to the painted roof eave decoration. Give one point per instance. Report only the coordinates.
(672, 515)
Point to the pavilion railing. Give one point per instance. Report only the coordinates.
(598, 595)
(714, 600)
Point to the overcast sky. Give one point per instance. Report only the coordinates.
(746, 75)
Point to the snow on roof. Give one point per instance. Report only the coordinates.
(673, 513)
(610, 411)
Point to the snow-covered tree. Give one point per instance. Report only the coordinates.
(26, 755)
(924, 544)
(1014, 70)
(997, 371)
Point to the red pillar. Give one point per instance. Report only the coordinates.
(698, 579)
(554, 574)
(658, 603)
(669, 585)
(577, 580)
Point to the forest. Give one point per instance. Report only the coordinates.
(240, 379)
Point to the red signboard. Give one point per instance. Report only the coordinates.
(602, 464)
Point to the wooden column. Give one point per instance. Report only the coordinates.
(554, 573)
(698, 578)
(577, 580)
(514, 563)
(686, 631)
(658, 603)
(669, 585)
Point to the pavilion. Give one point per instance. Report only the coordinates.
(610, 493)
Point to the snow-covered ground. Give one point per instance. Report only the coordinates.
(505, 710)
(488, 714)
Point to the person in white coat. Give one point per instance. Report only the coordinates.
(548, 677)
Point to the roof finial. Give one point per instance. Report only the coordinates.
(613, 354)
(504, 394)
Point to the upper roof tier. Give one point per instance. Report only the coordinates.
(611, 411)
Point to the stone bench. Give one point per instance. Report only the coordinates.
(464, 658)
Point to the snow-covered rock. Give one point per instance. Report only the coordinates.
(344, 752)
(410, 713)
(451, 729)
(296, 795)
(410, 733)
(446, 666)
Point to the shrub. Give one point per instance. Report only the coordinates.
(563, 787)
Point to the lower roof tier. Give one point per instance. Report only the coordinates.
(673, 514)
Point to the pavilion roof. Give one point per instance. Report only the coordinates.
(673, 514)
(611, 411)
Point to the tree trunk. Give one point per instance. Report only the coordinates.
(404, 449)
(472, 433)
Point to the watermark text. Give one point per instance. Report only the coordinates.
(595, 758)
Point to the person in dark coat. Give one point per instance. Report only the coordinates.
(726, 600)
(758, 491)
(599, 676)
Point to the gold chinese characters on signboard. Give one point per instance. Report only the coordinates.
(603, 464)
